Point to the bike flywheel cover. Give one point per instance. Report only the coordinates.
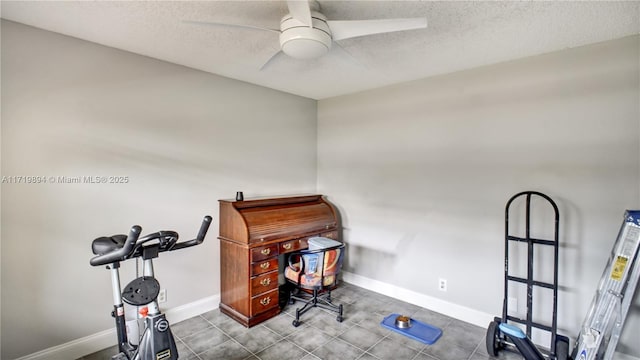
(141, 291)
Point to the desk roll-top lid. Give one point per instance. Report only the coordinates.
(261, 220)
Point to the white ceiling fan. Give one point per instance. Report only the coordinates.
(305, 33)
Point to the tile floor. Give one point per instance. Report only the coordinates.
(213, 335)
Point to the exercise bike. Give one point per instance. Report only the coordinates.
(156, 342)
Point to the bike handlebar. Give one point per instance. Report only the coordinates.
(132, 247)
(206, 222)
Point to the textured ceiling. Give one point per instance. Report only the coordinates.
(460, 35)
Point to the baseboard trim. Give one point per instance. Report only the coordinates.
(192, 309)
(456, 311)
(89, 344)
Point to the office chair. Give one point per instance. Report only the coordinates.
(313, 274)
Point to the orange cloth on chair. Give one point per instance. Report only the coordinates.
(313, 275)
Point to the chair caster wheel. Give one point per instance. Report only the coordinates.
(339, 318)
(295, 323)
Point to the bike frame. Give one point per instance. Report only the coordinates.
(156, 342)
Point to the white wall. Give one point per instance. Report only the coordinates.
(184, 138)
(421, 172)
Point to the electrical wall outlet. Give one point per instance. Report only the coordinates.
(442, 284)
(162, 295)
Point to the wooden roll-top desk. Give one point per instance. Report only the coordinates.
(253, 234)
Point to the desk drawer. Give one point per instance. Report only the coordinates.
(264, 302)
(262, 267)
(293, 245)
(264, 283)
(263, 252)
(330, 234)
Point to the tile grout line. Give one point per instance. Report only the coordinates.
(187, 346)
(230, 337)
(475, 350)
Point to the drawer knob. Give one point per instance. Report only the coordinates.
(287, 246)
(264, 265)
(265, 301)
(266, 251)
(265, 282)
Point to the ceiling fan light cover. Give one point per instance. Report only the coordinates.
(305, 42)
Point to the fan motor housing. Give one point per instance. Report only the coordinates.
(303, 42)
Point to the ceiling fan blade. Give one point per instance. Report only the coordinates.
(271, 59)
(345, 54)
(344, 29)
(211, 23)
(300, 10)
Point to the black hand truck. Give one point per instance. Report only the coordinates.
(496, 339)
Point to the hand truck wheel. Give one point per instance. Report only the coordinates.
(494, 342)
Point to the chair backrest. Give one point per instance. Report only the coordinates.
(315, 268)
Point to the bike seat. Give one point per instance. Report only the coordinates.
(106, 244)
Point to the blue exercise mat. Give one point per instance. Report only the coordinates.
(420, 331)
